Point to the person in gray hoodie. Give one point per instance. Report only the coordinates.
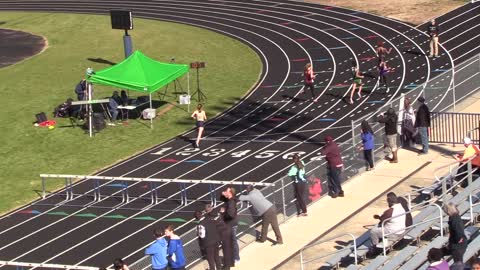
(267, 210)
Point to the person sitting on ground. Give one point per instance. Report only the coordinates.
(435, 258)
(394, 225)
(266, 210)
(158, 251)
(471, 152)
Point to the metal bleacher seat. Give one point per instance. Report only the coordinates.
(476, 213)
(421, 255)
(400, 257)
(353, 267)
(375, 264)
(473, 248)
(335, 260)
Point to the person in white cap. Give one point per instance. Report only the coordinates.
(471, 152)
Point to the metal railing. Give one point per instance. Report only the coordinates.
(444, 181)
(303, 262)
(472, 204)
(384, 235)
(448, 127)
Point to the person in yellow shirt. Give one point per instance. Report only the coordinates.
(471, 152)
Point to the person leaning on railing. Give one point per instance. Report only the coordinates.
(266, 210)
(471, 152)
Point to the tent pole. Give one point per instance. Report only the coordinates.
(89, 106)
(188, 89)
(151, 118)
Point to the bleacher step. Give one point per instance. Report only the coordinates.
(375, 264)
(421, 256)
(400, 257)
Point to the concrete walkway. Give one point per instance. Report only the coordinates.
(330, 214)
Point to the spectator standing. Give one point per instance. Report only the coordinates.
(368, 144)
(81, 90)
(357, 81)
(394, 226)
(457, 241)
(422, 122)
(435, 258)
(390, 121)
(208, 238)
(266, 210)
(408, 123)
(225, 233)
(297, 173)
(433, 31)
(332, 154)
(229, 215)
(308, 77)
(158, 251)
(175, 256)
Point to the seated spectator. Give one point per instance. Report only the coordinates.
(476, 264)
(158, 251)
(113, 104)
(404, 203)
(175, 256)
(124, 97)
(119, 264)
(394, 226)
(471, 150)
(435, 258)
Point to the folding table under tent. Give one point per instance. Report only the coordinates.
(140, 73)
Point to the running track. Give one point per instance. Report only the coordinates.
(252, 140)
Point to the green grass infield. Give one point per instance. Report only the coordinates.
(42, 82)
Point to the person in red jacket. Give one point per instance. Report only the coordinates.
(332, 154)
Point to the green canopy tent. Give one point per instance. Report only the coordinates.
(140, 73)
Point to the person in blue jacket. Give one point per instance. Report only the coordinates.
(368, 144)
(158, 251)
(176, 259)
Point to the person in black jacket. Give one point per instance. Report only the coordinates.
(390, 120)
(457, 241)
(229, 216)
(422, 122)
(208, 238)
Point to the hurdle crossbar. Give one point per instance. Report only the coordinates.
(125, 195)
(47, 265)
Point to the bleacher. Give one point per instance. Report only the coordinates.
(428, 230)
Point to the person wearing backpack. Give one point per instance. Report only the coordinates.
(297, 174)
